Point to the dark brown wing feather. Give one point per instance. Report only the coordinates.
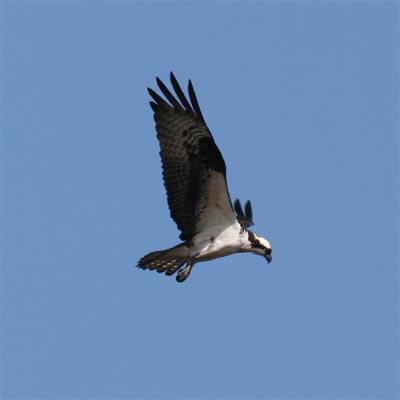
(244, 218)
(189, 155)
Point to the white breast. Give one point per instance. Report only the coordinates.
(215, 243)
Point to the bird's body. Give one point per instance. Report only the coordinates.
(194, 175)
(215, 243)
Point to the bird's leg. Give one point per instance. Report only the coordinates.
(184, 273)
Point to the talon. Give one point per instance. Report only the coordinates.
(183, 273)
(181, 277)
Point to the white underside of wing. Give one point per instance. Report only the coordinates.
(218, 213)
(220, 234)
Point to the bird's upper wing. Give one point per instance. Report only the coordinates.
(244, 218)
(194, 171)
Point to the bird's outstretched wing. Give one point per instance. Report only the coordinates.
(244, 218)
(194, 170)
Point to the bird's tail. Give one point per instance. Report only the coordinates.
(168, 261)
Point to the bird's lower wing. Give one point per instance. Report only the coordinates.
(216, 208)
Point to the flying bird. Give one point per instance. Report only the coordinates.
(194, 176)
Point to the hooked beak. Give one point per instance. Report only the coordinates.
(268, 257)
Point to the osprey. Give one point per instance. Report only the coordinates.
(194, 176)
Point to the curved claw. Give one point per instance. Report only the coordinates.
(184, 273)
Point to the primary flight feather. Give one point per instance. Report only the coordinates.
(194, 176)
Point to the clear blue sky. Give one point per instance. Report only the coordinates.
(302, 99)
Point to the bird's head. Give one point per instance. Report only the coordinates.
(260, 246)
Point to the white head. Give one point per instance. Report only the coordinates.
(260, 246)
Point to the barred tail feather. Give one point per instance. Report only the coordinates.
(168, 261)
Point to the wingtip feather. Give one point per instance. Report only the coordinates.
(249, 212)
(238, 208)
